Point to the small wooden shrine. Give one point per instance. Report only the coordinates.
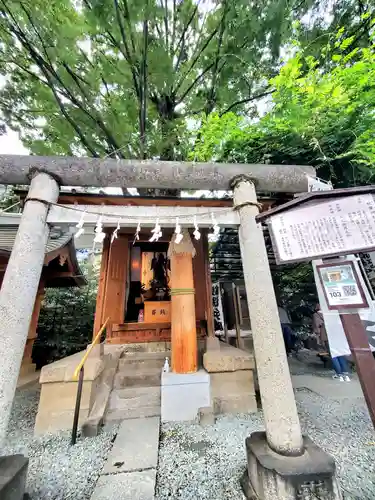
(151, 291)
(140, 279)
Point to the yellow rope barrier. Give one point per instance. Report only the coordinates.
(182, 291)
(87, 353)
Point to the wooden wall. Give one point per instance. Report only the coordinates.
(112, 283)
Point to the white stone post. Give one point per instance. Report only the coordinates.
(20, 286)
(279, 407)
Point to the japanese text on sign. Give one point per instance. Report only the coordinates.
(334, 227)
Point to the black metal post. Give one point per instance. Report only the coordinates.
(236, 315)
(77, 407)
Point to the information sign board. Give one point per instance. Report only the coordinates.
(334, 227)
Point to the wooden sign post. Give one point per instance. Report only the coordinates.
(343, 292)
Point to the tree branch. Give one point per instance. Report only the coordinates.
(174, 18)
(73, 124)
(128, 20)
(126, 54)
(48, 71)
(182, 37)
(192, 85)
(196, 58)
(247, 99)
(143, 107)
(215, 73)
(166, 25)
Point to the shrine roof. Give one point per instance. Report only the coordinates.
(60, 243)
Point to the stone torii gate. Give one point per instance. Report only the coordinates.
(283, 441)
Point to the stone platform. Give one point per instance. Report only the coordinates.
(232, 382)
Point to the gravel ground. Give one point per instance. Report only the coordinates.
(57, 471)
(207, 463)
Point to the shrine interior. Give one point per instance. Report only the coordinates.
(148, 290)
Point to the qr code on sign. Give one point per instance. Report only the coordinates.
(349, 290)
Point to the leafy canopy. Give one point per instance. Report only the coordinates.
(123, 77)
(322, 118)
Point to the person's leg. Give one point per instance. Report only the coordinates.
(287, 334)
(336, 366)
(344, 366)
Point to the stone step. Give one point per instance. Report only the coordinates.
(151, 397)
(146, 355)
(145, 347)
(131, 363)
(134, 392)
(135, 378)
(123, 414)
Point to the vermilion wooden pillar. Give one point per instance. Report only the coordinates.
(184, 332)
(115, 288)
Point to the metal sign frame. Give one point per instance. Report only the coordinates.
(339, 307)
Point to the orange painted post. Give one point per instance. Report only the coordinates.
(184, 331)
(115, 289)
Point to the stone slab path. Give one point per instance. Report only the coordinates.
(328, 387)
(130, 470)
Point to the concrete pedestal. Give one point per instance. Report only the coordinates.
(13, 472)
(231, 376)
(270, 476)
(182, 395)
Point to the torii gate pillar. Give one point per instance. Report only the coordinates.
(281, 462)
(20, 287)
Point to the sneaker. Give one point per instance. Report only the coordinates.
(338, 377)
(347, 378)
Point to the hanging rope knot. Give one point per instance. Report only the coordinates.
(249, 204)
(241, 178)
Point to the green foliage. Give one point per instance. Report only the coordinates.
(325, 119)
(8, 200)
(320, 117)
(123, 78)
(66, 320)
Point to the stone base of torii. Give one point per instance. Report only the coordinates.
(282, 464)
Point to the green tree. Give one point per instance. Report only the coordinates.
(66, 319)
(122, 77)
(320, 118)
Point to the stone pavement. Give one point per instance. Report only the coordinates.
(130, 470)
(327, 387)
(309, 373)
